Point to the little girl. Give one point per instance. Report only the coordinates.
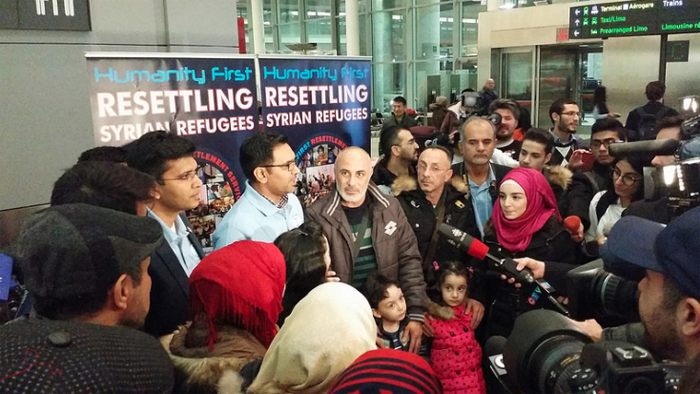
(455, 355)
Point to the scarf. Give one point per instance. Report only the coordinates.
(515, 235)
(241, 285)
(326, 332)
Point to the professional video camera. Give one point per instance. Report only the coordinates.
(597, 294)
(547, 354)
(679, 182)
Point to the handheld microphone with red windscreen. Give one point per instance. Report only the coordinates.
(572, 223)
(506, 266)
(479, 250)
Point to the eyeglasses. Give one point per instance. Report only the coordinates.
(186, 177)
(627, 179)
(291, 165)
(595, 144)
(572, 114)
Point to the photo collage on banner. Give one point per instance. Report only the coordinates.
(210, 100)
(322, 104)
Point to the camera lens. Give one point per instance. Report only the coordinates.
(640, 385)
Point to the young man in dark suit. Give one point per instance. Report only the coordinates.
(169, 159)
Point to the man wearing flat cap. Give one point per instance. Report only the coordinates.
(87, 270)
(665, 258)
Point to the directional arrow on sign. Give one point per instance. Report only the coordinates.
(577, 22)
(577, 11)
(576, 33)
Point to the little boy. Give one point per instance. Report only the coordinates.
(389, 308)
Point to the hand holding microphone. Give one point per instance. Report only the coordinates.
(575, 227)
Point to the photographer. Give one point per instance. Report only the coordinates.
(664, 258)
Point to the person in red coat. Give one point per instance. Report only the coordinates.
(455, 355)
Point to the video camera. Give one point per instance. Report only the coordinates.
(597, 294)
(547, 354)
(679, 182)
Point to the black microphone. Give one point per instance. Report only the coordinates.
(506, 266)
(494, 346)
(655, 147)
(479, 250)
(495, 371)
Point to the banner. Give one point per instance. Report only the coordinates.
(322, 104)
(210, 100)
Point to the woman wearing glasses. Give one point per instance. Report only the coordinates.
(607, 206)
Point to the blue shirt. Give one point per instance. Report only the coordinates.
(481, 200)
(176, 237)
(255, 218)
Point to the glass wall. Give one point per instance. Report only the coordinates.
(420, 48)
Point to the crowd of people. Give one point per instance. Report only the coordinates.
(359, 292)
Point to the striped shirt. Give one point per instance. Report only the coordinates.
(365, 262)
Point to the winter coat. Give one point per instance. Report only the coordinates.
(394, 244)
(551, 244)
(458, 213)
(455, 355)
(197, 370)
(573, 192)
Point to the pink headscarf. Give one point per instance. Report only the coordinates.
(515, 235)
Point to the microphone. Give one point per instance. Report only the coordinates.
(572, 223)
(479, 250)
(498, 379)
(655, 147)
(494, 346)
(506, 266)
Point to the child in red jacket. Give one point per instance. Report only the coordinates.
(455, 355)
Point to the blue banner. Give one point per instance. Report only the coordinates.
(211, 101)
(323, 106)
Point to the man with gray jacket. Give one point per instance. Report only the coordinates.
(367, 232)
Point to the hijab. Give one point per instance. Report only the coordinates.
(515, 235)
(240, 284)
(326, 332)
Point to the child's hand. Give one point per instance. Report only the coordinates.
(477, 310)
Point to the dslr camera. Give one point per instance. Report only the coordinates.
(547, 354)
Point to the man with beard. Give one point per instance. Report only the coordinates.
(565, 116)
(664, 258)
(87, 270)
(368, 232)
(400, 152)
(509, 112)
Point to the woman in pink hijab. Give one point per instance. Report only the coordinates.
(526, 223)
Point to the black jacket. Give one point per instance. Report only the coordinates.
(573, 192)
(600, 177)
(419, 212)
(651, 108)
(170, 290)
(381, 176)
(460, 170)
(551, 244)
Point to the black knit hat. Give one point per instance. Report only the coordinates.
(70, 250)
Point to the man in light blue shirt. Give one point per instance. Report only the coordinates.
(268, 207)
(169, 160)
(478, 142)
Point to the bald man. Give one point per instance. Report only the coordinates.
(386, 242)
(487, 95)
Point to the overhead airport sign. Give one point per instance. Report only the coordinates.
(634, 18)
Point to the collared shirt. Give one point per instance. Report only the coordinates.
(283, 201)
(481, 200)
(256, 218)
(176, 237)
